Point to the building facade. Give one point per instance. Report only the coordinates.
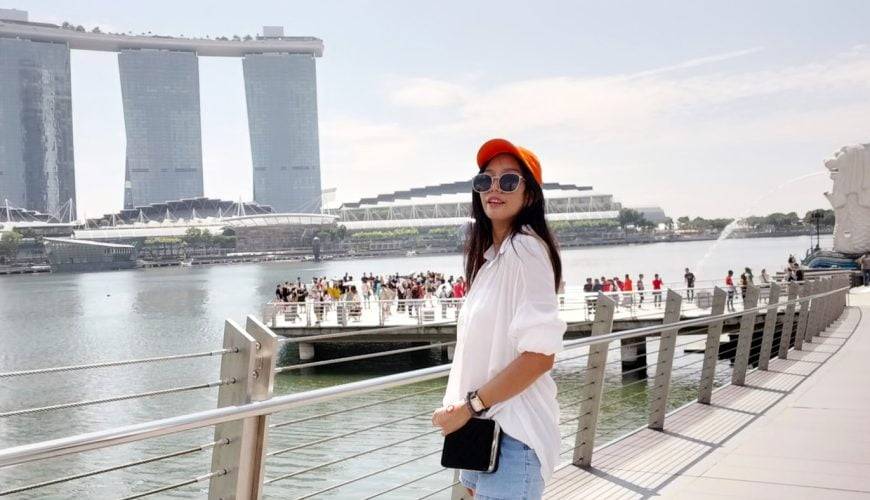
(281, 93)
(37, 168)
(160, 91)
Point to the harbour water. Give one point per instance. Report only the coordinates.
(67, 319)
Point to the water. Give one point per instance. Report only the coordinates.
(64, 319)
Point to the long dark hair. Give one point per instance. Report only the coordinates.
(479, 234)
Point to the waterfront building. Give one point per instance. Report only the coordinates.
(281, 94)
(160, 90)
(37, 170)
(449, 204)
(256, 227)
(71, 255)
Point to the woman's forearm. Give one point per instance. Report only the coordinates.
(515, 378)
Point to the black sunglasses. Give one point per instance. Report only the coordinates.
(507, 183)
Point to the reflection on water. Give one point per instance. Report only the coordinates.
(64, 319)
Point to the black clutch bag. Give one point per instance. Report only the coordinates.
(474, 446)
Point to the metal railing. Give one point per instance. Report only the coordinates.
(242, 428)
(575, 304)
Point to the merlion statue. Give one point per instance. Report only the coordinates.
(850, 197)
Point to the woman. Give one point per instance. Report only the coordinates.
(509, 329)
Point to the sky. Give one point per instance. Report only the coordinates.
(712, 109)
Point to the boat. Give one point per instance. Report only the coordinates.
(830, 259)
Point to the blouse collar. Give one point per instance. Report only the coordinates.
(490, 253)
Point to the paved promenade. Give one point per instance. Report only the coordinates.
(799, 430)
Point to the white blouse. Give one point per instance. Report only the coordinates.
(511, 309)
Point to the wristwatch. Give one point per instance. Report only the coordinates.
(475, 404)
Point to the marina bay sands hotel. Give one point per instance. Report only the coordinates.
(160, 91)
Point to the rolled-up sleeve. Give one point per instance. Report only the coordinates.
(536, 325)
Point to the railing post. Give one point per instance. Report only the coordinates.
(744, 339)
(769, 327)
(812, 311)
(800, 331)
(252, 368)
(824, 306)
(664, 362)
(593, 384)
(787, 322)
(830, 314)
(711, 349)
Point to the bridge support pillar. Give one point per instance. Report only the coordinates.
(711, 348)
(664, 363)
(744, 339)
(633, 354)
(306, 351)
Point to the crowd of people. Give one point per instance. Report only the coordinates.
(408, 293)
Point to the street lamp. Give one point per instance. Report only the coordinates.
(817, 216)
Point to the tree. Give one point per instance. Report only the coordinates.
(96, 30)
(9, 241)
(828, 219)
(629, 217)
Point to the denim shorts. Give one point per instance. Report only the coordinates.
(518, 475)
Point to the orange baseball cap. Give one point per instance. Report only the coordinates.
(495, 147)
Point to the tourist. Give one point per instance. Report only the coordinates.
(596, 286)
(354, 304)
(744, 283)
(628, 288)
(516, 331)
(765, 278)
(865, 268)
(657, 291)
(588, 288)
(388, 294)
(729, 284)
(640, 288)
(749, 275)
(689, 279)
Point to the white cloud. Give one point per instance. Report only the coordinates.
(427, 93)
(629, 128)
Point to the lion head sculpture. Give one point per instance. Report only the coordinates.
(850, 197)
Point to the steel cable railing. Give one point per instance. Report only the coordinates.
(108, 364)
(198, 479)
(358, 407)
(113, 399)
(127, 465)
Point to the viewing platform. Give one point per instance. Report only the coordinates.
(795, 430)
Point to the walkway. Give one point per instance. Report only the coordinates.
(799, 430)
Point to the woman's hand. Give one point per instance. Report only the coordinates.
(451, 417)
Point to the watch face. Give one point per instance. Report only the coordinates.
(477, 404)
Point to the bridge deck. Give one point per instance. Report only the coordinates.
(798, 430)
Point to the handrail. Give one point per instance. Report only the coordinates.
(111, 437)
(702, 321)
(207, 418)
